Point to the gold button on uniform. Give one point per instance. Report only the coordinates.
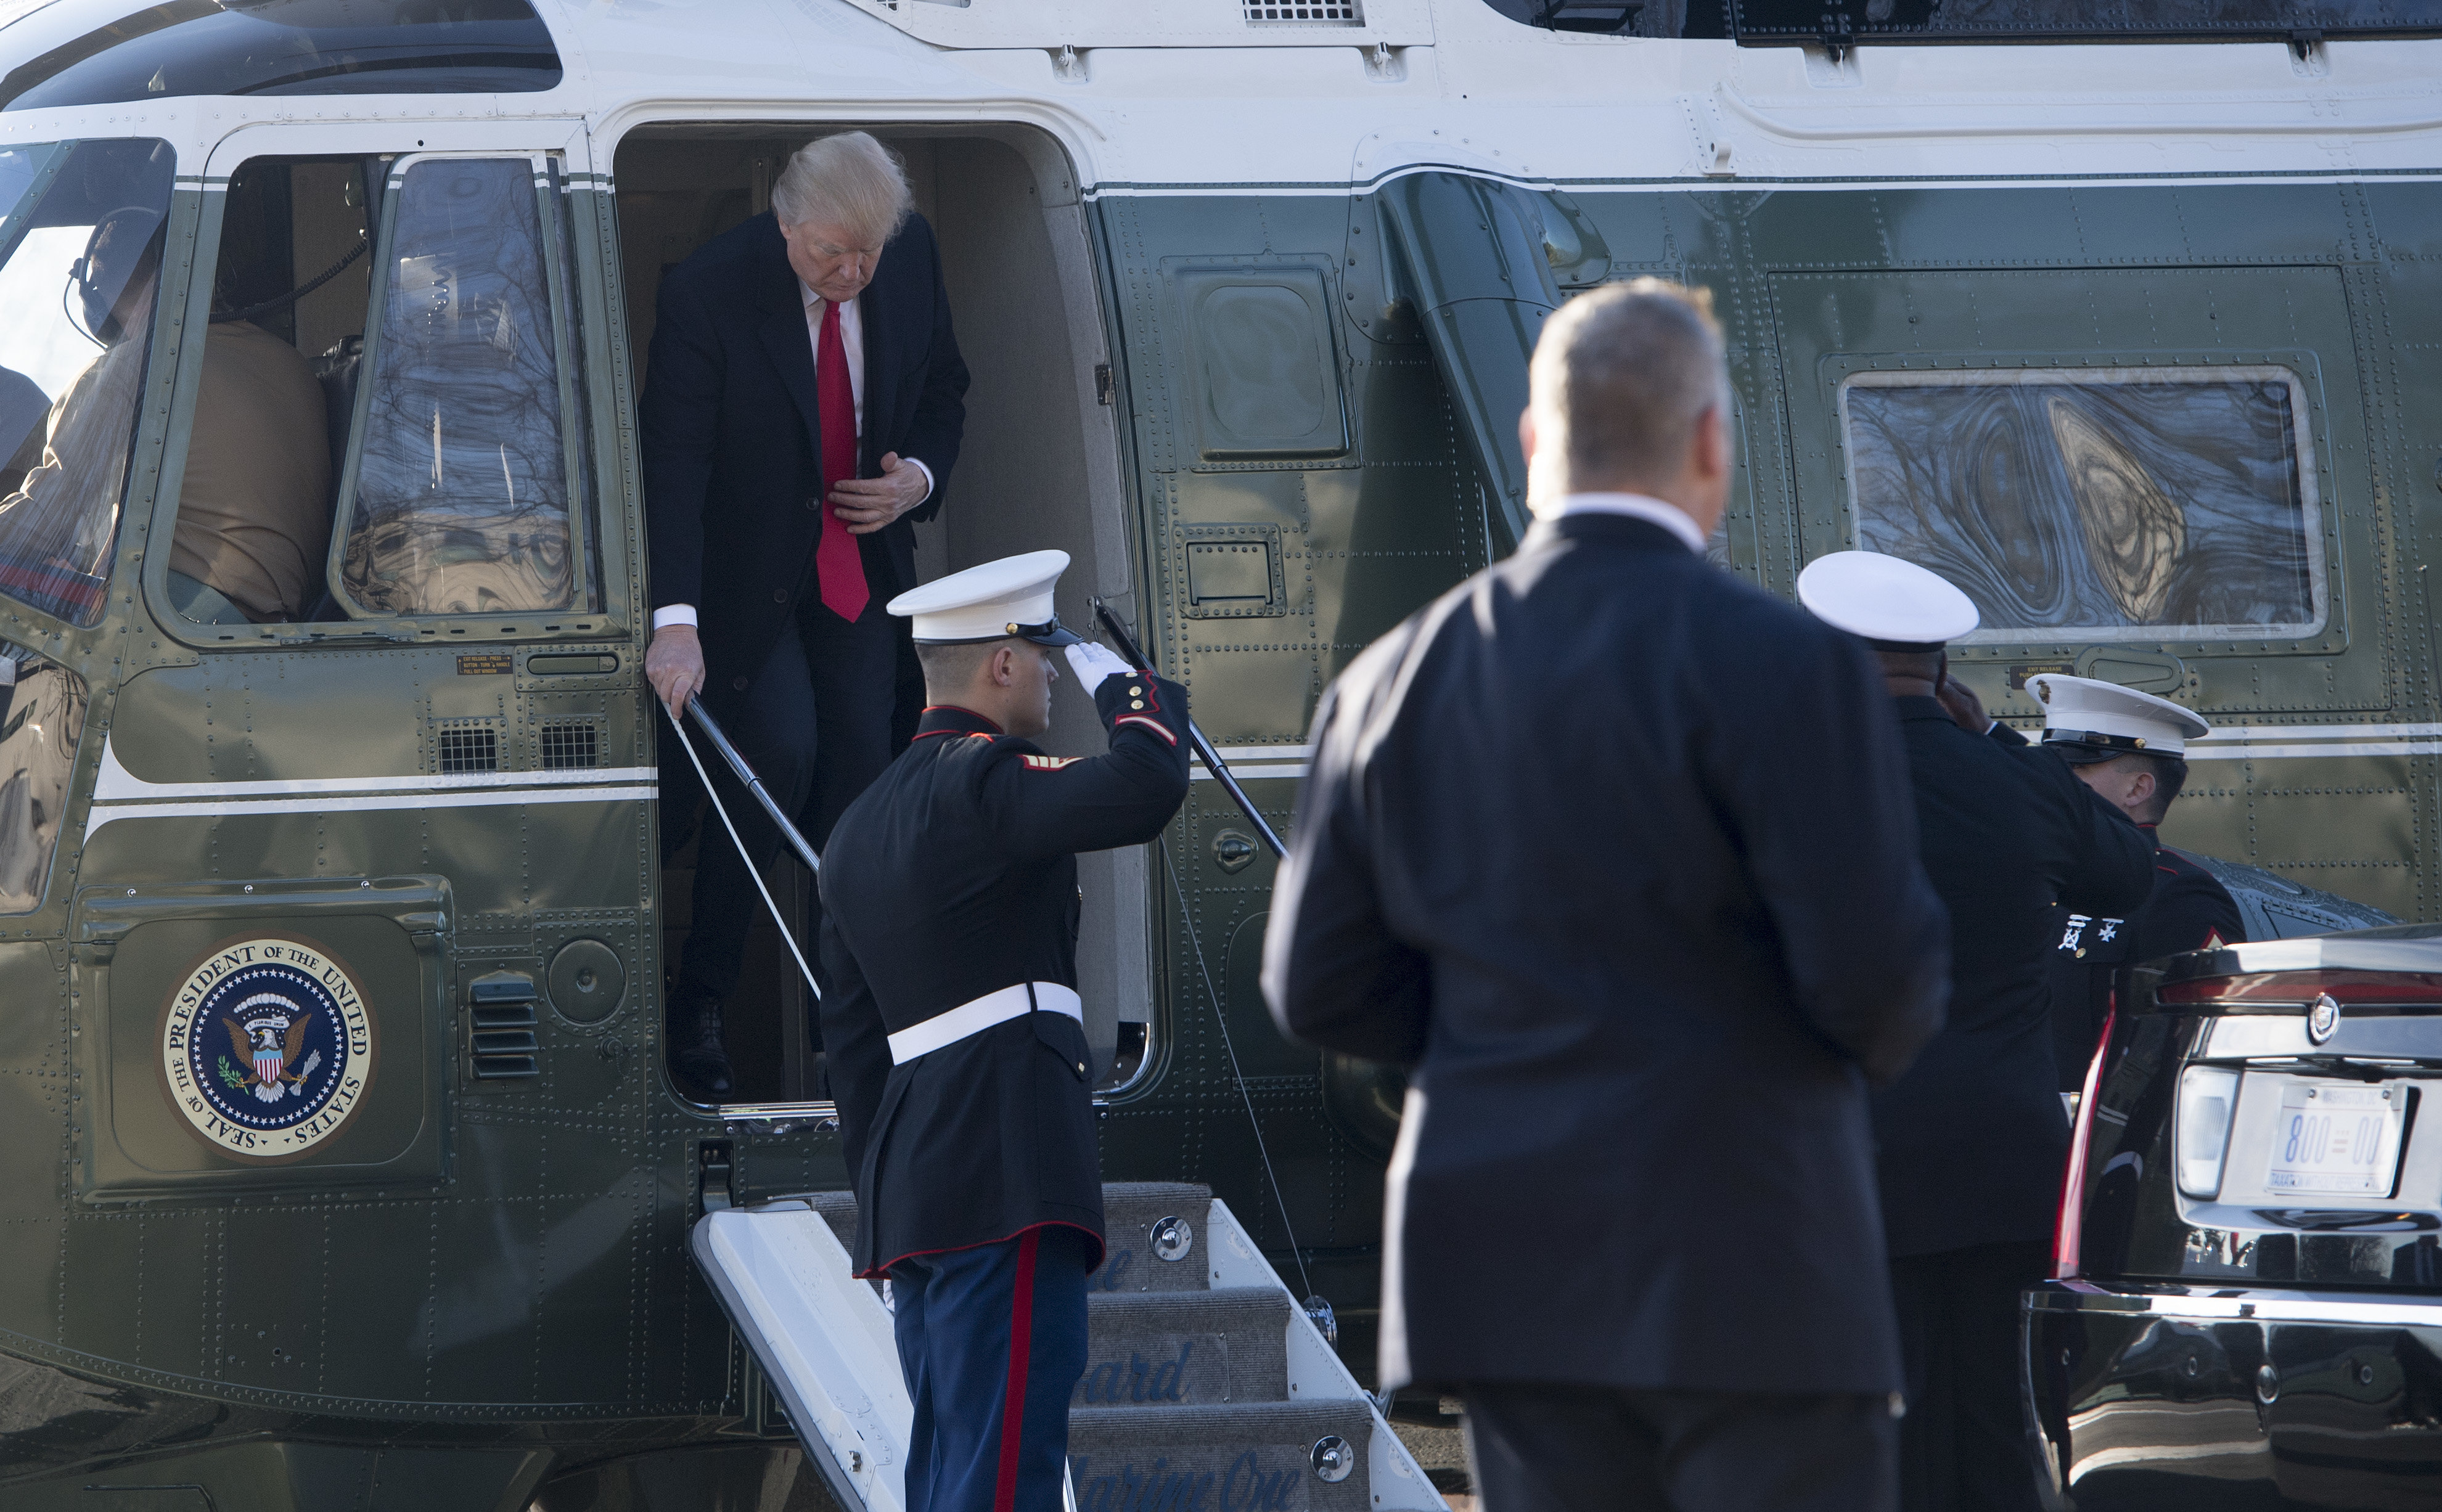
(1136, 703)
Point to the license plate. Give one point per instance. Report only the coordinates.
(2339, 1141)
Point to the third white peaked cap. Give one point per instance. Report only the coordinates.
(2108, 718)
(988, 601)
(1886, 599)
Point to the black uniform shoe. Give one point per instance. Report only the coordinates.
(697, 1061)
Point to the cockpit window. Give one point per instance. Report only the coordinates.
(42, 715)
(460, 499)
(80, 237)
(289, 47)
(2091, 504)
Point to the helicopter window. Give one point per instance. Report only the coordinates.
(2085, 504)
(42, 715)
(460, 500)
(284, 48)
(272, 411)
(80, 237)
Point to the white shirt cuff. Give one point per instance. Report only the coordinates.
(926, 472)
(674, 615)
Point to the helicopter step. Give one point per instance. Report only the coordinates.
(1206, 1382)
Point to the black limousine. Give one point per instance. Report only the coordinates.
(2248, 1303)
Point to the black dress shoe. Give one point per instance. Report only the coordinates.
(697, 1059)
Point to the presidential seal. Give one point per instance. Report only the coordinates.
(267, 1047)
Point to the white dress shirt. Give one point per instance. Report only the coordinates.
(852, 344)
(1635, 506)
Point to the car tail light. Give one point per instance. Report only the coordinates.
(2345, 987)
(2070, 1228)
(2201, 1128)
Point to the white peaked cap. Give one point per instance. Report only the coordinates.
(2110, 719)
(990, 601)
(1884, 599)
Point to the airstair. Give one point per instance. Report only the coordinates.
(1206, 1384)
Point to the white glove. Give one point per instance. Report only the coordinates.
(1092, 663)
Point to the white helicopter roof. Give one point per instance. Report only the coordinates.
(1196, 96)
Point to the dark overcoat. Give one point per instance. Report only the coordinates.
(953, 876)
(1641, 950)
(1969, 1142)
(732, 439)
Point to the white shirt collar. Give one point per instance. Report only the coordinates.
(812, 302)
(1635, 506)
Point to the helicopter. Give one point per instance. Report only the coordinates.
(336, 886)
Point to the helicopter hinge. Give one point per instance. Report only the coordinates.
(712, 1176)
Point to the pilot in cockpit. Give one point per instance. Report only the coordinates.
(254, 510)
(85, 434)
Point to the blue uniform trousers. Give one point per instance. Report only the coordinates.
(993, 1341)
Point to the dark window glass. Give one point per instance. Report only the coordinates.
(1786, 23)
(2086, 505)
(1953, 20)
(80, 237)
(462, 489)
(288, 47)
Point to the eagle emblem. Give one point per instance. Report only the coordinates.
(267, 1047)
(268, 1035)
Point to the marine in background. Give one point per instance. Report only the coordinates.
(1970, 1142)
(956, 1037)
(2131, 748)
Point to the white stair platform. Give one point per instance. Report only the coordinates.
(824, 1342)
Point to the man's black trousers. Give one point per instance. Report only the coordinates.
(1963, 1446)
(815, 726)
(1582, 1448)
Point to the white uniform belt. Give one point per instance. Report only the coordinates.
(981, 1014)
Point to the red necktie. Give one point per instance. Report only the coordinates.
(839, 568)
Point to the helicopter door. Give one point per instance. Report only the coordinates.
(363, 860)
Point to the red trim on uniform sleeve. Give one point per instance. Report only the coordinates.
(1155, 726)
(1021, 1343)
(1102, 1248)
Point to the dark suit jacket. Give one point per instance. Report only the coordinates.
(953, 876)
(1969, 1142)
(1644, 949)
(732, 436)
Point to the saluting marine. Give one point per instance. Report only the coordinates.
(2131, 748)
(1970, 1142)
(956, 1035)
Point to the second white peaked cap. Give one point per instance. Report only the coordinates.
(1895, 604)
(2109, 720)
(991, 601)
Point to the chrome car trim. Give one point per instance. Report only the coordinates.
(2235, 1307)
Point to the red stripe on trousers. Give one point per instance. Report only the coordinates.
(1021, 1339)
